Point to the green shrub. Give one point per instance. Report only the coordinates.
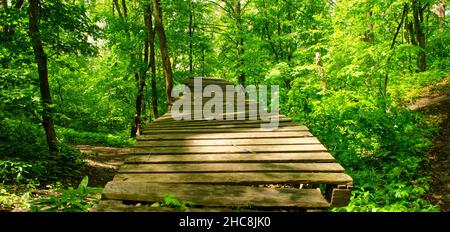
(69, 200)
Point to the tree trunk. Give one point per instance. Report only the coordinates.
(369, 35)
(240, 44)
(420, 36)
(164, 52)
(203, 61)
(125, 10)
(191, 66)
(41, 60)
(152, 65)
(116, 4)
(320, 71)
(140, 78)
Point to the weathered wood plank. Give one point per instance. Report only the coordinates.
(227, 142)
(228, 149)
(231, 167)
(169, 119)
(210, 123)
(221, 126)
(217, 135)
(217, 195)
(243, 178)
(224, 130)
(224, 115)
(313, 157)
(119, 206)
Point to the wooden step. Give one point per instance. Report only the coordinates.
(238, 178)
(227, 149)
(308, 157)
(227, 142)
(120, 206)
(209, 123)
(216, 195)
(218, 126)
(231, 167)
(217, 135)
(224, 130)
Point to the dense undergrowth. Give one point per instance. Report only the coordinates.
(382, 145)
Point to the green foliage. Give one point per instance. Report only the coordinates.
(383, 149)
(171, 202)
(10, 201)
(13, 171)
(69, 200)
(89, 138)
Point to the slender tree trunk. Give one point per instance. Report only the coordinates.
(152, 65)
(41, 60)
(268, 33)
(164, 52)
(125, 10)
(320, 71)
(280, 44)
(191, 66)
(240, 44)
(117, 6)
(203, 61)
(140, 78)
(289, 46)
(369, 35)
(418, 20)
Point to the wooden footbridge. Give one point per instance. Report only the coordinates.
(223, 165)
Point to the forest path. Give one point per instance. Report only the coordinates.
(103, 162)
(435, 103)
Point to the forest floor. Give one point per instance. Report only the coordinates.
(103, 162)
(435, 103)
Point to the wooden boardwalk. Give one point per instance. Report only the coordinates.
(222, 165)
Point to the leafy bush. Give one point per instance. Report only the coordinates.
(69, 200)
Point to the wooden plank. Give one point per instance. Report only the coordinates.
(226, 142)
(217, 195)
(231, 167)
(228, 149)
(169, 119)
(119, 206)
(233, 115)
(223, 126)
(313, 157)
(210, 122)
(225, 130)
(217, 135)
(237, 178)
